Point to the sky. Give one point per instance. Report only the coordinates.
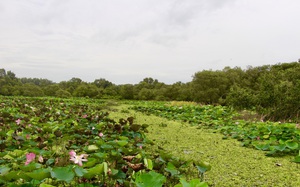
(127, 41)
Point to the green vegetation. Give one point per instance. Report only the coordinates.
(276, 138)
(231, 163)
(90, 142)
(224, 128)
(270, 90)
(63, 142)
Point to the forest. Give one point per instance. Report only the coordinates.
(270, 90)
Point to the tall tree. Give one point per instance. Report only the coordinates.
(102, 83)
(209, 86)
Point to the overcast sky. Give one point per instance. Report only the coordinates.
(125, 41)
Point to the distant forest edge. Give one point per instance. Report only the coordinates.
(271, 90)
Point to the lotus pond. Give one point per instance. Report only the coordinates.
(74, 142)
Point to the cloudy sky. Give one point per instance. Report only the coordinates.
(125, 41)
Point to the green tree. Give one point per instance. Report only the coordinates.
(111, 92)
(210, 86)
(2, 73)
(6, 90)
(86, 90)
(11, 75)
(51, 90)
(62, 93)
(146, 94)
(127, 91)
(102, 83)
(31, 90)
(241, 98)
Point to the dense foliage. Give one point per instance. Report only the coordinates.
(58, 142)
(271, 90)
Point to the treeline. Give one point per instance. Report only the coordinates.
(271, 90)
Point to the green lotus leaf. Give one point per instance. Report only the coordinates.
(4, 170)
(266, 136)
(281, 141)
(79, 171)
(122, 143)
(2, 154)
(291, 144)
(192, 183)
(150, 179)
(8, 157)
(107, 147)
(172, 169)
(30, 167)
(92, 148)
(9, 133)
(50, 161)
(63, 174)
(39, 174)
(262, 146)
(15, 175)
(17, 153)
(101, 155)
(297, 159)
(97, 170)
(99, 142)
(280, 147)
(90, 163)
(148, 163)
(105, 168)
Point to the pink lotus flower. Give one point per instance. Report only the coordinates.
(18, 121)
(29, 158)
(77, 159)
(101, 134)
